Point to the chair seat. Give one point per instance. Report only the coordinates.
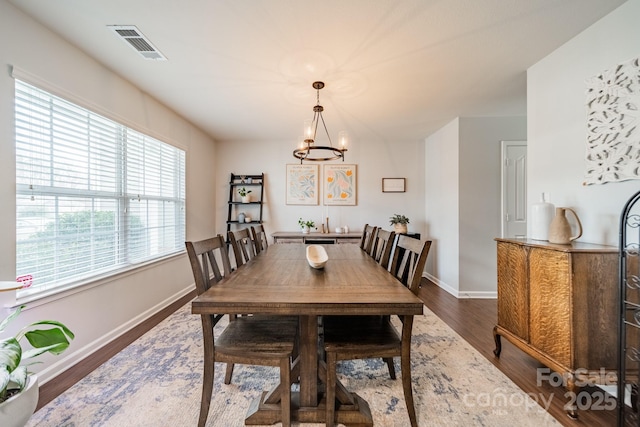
(271, 337)
(371, 336)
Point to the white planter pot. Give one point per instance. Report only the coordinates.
(305, 230)
(16, 411)
(400, 228)
(246, 199)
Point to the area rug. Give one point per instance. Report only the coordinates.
(156, 381)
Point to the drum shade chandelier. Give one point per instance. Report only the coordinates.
(311, 152)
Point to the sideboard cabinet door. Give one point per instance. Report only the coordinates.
(513, 289)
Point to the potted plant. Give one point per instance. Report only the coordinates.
(399, 223)
(306, 225)
(244, 193)
(18, 387)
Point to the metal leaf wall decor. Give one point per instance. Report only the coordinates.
(613, 124)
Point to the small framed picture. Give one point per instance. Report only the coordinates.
(393, 185)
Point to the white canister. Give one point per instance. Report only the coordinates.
(541, 216)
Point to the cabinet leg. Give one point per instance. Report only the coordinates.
(496, 338)
(572, 407)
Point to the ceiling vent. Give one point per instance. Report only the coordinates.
(134, 38)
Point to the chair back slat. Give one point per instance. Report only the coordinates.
(409, 260)
(209, 262)
(259, 238)
(243, 247)
(366, 241)
(382, 244)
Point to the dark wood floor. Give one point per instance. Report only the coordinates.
(473, 319)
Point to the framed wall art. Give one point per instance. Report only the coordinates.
(339, 184)
(613, 124)
(302, 185)
(393, 185)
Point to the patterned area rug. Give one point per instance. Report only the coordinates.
(157, 380)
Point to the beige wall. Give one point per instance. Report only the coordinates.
(374, 160)
(103, 310)
(557, 132)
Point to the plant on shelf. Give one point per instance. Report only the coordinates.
(16, 383)
(306, 225)
(399, 223)
(244, 193)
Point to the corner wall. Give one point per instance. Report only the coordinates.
(462, 202)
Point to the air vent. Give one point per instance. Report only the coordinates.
(134, 38)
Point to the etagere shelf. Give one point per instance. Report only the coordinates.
(251, 209)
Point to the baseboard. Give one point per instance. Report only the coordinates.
(66, 372)
(461, 294)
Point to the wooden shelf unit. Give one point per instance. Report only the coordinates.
(253, 183)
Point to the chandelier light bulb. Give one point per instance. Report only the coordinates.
(343, 139)
(308, 130)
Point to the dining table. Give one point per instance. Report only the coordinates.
(280, 281)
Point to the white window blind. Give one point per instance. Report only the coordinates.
(93, 197)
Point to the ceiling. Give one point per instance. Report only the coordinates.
(394, 70)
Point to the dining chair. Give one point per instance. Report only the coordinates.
(366, 241)
(243, 246)
(381, 248)
(250, 340)
(369, 337)
(383, 241)
(259, 238)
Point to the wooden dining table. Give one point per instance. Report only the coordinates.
(280, 281)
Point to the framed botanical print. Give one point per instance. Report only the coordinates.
(339, 184)
(302, 184)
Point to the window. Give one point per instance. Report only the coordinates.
(93, 197)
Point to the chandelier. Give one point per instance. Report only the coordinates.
(311, 152)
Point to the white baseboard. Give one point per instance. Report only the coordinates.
(461, 294)
(82, 353)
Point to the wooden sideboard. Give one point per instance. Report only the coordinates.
(299, 237)
(558, 303)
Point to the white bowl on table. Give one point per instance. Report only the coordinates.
(316, 256)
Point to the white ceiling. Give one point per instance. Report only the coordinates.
(395, 70)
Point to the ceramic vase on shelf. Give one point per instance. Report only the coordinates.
(241, 217)
(560, 229)
(541, 217)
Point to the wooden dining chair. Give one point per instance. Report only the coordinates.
(368, 337)
(366, 241)
(243, 246)
(251, 340)
(381, 248)
(259, 236)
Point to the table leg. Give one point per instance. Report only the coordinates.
(308, 361)
(306, 405)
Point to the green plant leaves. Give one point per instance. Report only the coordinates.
(54, 340)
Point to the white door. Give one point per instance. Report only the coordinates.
(514, 188)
